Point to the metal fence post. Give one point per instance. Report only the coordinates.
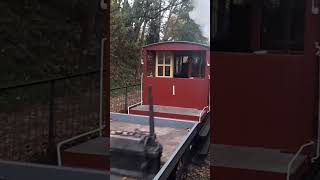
(126, 99)
(151, 121)
(51, 118)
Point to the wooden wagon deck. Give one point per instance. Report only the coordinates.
(168, 137)
(168, 112)
(171, 133)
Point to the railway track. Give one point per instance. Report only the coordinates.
(196, 155)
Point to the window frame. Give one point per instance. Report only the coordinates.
(292, 36)
(164, 65)
(202, 64)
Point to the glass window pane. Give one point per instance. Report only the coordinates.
(167, 71)
(160, 71)
(195, 71)
(177, 65)
(283, 27)
(185, 59)
(160, 58)
(168, 59)
(151, 63)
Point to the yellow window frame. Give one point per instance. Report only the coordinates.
(165, 54)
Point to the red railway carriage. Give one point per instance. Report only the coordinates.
(179, 75)
(266, 87)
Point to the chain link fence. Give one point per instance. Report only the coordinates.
(35, 116)
(121, 98)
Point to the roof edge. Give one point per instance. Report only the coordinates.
(169, 42)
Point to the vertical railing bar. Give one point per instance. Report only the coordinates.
(51, 118)
(13, 139)
(101, 84)
(84, 115)
(67, 125)
(79, 107)
(126, 99)
(72, 110)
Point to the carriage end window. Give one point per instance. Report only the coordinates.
(282, 25)
(189, 65)
(151, 63)
(164, 64)
(246, 25)
(179, 64)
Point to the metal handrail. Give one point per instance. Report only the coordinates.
(133, 105)
(141, 101)
(317, 46)
(295, 157)
(123, 87)
(49, 80)
(126, 87)
(203, 110)
(72, 139)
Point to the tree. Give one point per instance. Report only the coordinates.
(143, 22)
(180, 27)
(153, 35)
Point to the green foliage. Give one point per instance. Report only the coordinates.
(185, 29)
(124, 50)
(40, 40)
(180, 27)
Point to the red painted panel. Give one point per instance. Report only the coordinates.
(166, 115)
(262, 100)
(312, 34)
(85, 161)
(189, 93)
(218, 173)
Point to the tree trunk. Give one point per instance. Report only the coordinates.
(143, 32)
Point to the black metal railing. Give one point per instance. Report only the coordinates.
(35, 116)
(121, 98)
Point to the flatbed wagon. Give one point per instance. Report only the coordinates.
(174, 135)
(175, 90)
